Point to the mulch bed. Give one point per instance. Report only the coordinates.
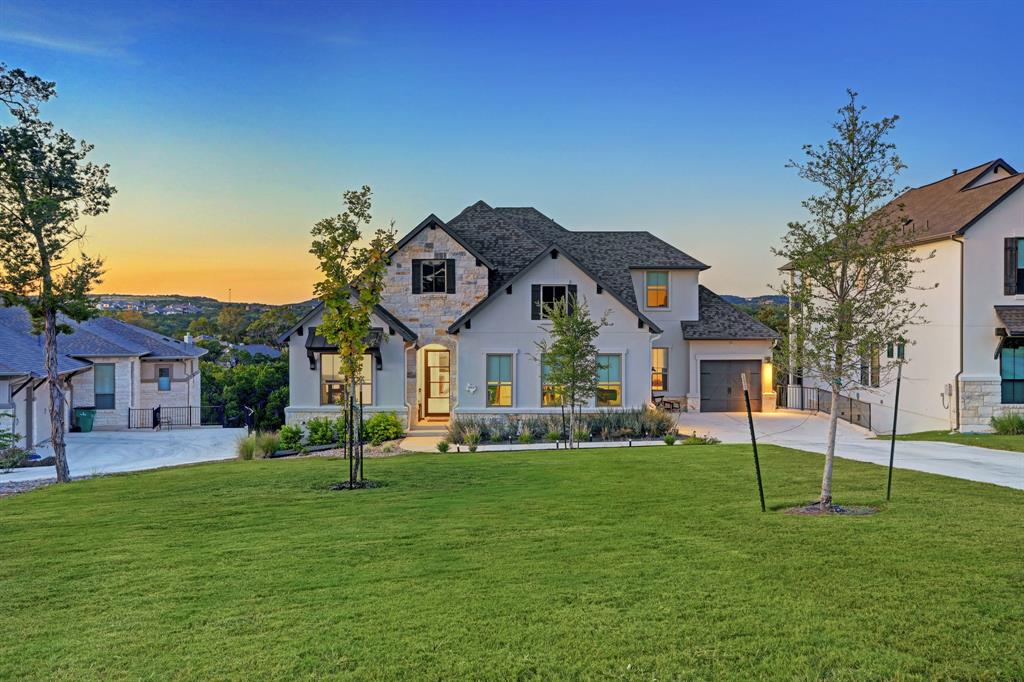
(814, 509)
(358, 485)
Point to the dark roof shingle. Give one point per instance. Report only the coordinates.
(1012, 317)
(719, 319)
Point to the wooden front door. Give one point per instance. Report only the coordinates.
(438, 383)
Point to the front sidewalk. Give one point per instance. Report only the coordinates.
(808, 430)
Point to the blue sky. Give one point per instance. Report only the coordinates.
(231, 127)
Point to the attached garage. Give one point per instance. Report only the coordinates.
(721, 389)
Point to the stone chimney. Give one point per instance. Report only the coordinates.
(188, 339)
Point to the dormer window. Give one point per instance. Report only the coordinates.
(657, 289)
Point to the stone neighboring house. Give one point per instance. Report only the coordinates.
(462, 310)
(104, 363)
(966, 364)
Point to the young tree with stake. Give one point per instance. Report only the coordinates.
(570, 355)
(353, 273)
(852, 266)
(46, 185)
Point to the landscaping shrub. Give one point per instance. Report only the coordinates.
(11, 454)
(291, 437)
(700, 440)
(526, 436)
(267, 443)
(246, 447)
(381, 427)
(322, 431)
(472, 437)
(553, 435)
(581, 435)
(670, 439)
(442, 446)
(1009, 425)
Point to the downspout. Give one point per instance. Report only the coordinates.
(956, 379)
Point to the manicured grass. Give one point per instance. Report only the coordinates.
(982, 440)
(642, 563)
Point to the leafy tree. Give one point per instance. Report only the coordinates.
(202, 326)
(21, 93)
(271, 324)
(133, 317)
(353, 270)
(570, 355)
(262, 387)
(231, 323)
(46, 185)
(852, 268)
(214, 350)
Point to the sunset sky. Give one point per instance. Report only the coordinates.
(231, 127)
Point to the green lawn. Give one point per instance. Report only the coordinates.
(642, 563)
(982, 440)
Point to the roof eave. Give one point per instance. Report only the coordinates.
(437, 222)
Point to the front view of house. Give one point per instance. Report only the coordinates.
(463, 309)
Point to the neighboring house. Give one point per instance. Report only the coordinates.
(967, 363)
(105, 363)
(462, 310)
(255, 349)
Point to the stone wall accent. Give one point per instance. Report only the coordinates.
(429, 315)
(185, 387)
(980, 400)
(300, 415)
(125, 376)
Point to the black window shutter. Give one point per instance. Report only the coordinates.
(1010, 269)
(417, 276)
(449, 275)
(535, 302)
(571, 306)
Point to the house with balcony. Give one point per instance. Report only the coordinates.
(965, 364)
(463, 309)
(121, 370)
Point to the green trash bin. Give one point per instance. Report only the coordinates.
(84, 417)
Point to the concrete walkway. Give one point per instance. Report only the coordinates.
(808, 430)
(104, 452)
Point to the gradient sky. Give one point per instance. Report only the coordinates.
(231, 127)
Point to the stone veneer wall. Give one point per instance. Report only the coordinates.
(429, 315)
(980, 400)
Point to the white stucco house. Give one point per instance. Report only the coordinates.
(456, 330)
(122, 370)
(966, 364)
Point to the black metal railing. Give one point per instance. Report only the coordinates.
(163, 416)
(850, 409)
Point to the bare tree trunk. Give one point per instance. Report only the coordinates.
(830, 450)
(56, 398)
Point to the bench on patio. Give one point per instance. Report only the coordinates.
(670, 403)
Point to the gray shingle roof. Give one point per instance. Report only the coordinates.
(512, 238)
(719, 319)
(98, 337)
(22, 354)
(1012, 317)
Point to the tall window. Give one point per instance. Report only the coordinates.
(1020, 266)
(499, 380)
(551, 295)
(332, 385)
(1011, 371)
(103, 386)
(550, 395)
(434, 276)
(609, 380)
(657, 289)
(659, 369)
(871, 368)
(163, 378)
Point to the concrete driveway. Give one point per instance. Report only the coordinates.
(104, 452)
(807, 431)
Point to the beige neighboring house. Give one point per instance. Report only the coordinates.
(122, 370)
(463, 308)
(966, 364)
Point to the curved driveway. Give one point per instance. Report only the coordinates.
(105, 452)
(807, 431)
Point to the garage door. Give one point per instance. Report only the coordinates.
(721, 389)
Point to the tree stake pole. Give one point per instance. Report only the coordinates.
(753, 439)
(892, 442)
